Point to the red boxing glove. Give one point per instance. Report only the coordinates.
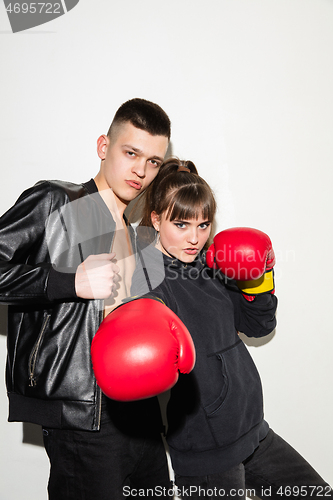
(138, 350)
(246, 255)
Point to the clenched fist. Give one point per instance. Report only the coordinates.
(96, 277)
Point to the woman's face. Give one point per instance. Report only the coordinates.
(182, 239)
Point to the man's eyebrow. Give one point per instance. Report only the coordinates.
(157, 158)
(139, 151)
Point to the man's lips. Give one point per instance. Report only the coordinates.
(134, 184)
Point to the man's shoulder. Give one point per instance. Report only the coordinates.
(62, 189)
(48, 195)
(46, 186)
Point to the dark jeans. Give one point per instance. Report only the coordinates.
(274, 471)
(111, 464)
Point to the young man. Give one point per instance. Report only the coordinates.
(66, 259)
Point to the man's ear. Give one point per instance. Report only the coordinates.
(102, 145)
(155, 219)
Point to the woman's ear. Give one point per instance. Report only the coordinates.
(155, 219)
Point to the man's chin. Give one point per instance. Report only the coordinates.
(127, 199)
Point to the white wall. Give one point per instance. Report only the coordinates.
(248, 86)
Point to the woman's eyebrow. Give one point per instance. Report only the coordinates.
(187, 222)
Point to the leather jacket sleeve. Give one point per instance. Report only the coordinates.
(26, 273)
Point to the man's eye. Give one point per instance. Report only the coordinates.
(130, 153)
(155, 163)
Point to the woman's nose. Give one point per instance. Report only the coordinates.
(193, 237)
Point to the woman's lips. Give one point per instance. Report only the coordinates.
(191, 251)
(134, 184)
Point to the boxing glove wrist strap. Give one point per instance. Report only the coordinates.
(264, 284)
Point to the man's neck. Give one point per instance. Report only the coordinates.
(115, 205)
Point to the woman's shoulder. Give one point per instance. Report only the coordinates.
(149, 272)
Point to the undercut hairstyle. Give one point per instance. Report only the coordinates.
(144, 115)
(179, 193)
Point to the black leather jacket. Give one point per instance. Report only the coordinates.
(43, 238)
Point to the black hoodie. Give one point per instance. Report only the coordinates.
(215, 414)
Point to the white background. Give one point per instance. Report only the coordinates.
(248, 87)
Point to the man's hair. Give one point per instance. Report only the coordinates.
(144, 115)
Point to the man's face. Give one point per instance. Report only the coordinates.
(130, 161)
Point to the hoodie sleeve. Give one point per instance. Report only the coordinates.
(256, 318)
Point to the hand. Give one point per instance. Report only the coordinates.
(96, 277)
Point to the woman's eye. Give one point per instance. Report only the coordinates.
(180, 225)
(205, 225)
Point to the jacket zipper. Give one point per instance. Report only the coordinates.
(34, 352)
(99, 408)
(99, 390)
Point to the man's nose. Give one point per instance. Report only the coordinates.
(139, 167)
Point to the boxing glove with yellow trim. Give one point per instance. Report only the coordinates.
(247, 256)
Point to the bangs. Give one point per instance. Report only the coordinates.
(191, 202)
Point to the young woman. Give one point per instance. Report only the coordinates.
(220, 444)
